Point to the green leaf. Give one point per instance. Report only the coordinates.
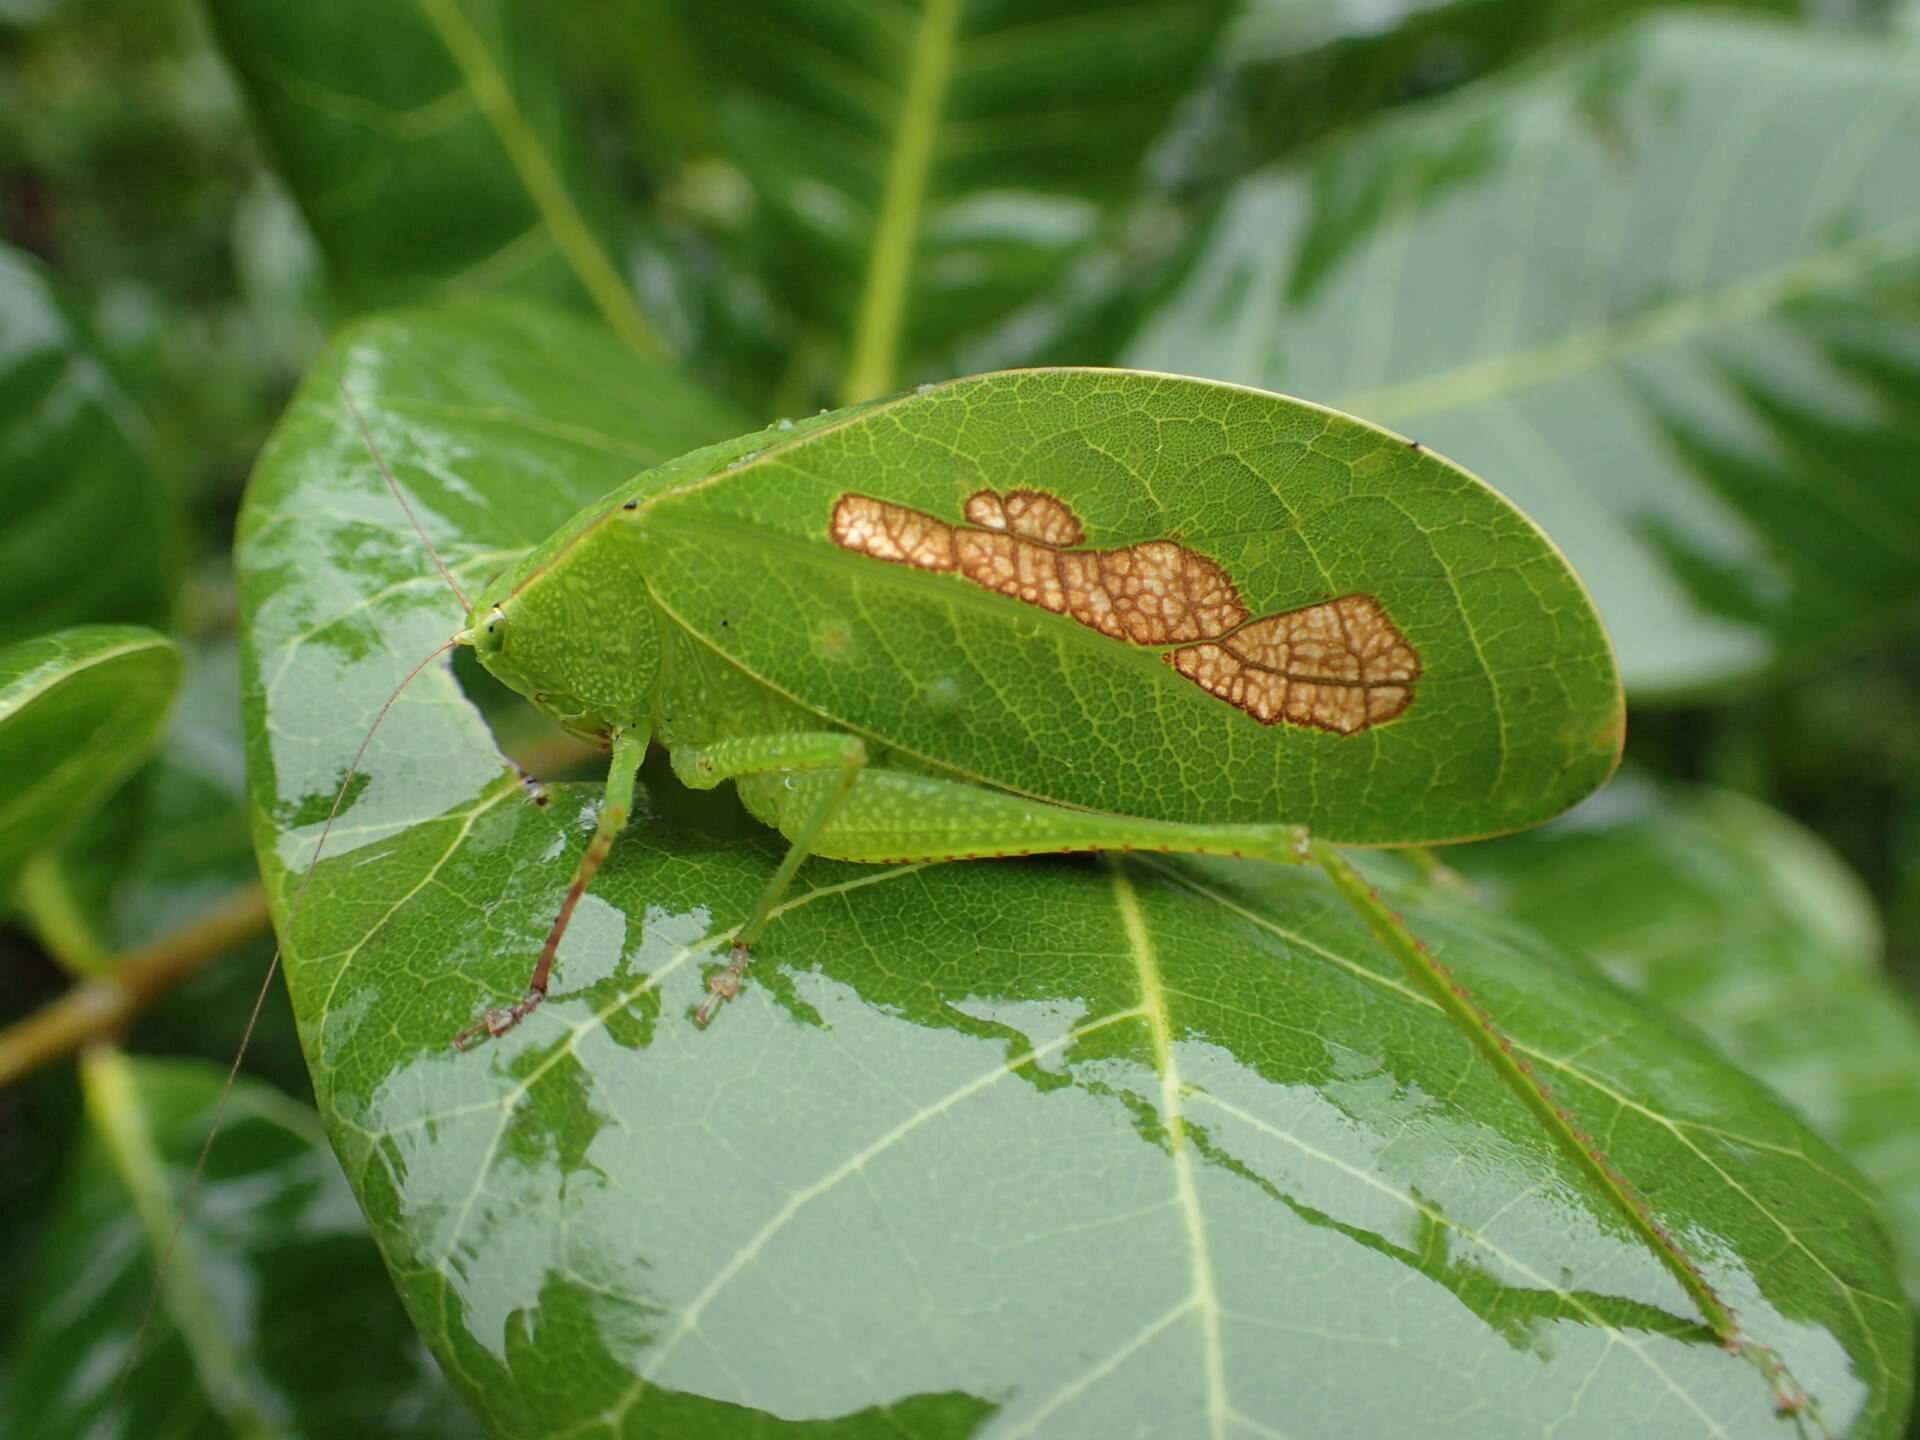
(175, 841)
(920, 170)
(1661, 293)
(272, 1280)
(442, 158)
(1047, 1147)
(1731, 915)
(78, 710)
(91, 532)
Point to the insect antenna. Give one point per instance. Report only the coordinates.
(192, 1190)
(366, 434)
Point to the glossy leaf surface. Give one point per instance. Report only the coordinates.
(272, 1214)
(1737, 919)
(919, 170)
(78, 709)
(88, 531)
(1659, 293)
(1515, 715)
(1042, 1147)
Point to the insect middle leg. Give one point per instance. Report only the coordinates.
(817, 789)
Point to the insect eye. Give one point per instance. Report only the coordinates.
(488, 638)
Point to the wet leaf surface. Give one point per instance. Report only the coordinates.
(1029, 1147)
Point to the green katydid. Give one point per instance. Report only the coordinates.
(1159, 620)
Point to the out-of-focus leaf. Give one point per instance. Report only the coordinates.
(88, 529)
(1731, 915)
(1661, 293)
(1019, 1148)
(175, 840)
(78, 710)
(919, 170)
(295, 1330)
(1308, 67)
(431, 146)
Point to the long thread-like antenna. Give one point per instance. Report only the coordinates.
(187, 1197)
(192, 1191)
(360, 424)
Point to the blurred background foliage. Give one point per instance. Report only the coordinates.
(191, 196)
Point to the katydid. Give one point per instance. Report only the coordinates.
(1077, 610)
(1066, 650)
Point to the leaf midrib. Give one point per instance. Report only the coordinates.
(1668, 323)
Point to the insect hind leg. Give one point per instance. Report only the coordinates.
(705, 766)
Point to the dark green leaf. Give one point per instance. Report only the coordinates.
(78, 710)
(1027, 124)
(295, 1330)
(1661, 293)
(1040, 1147)
(1731, 915)
(90, 532)
(431, 146)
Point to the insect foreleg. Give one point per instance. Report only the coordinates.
(629, 749)
(705, 766)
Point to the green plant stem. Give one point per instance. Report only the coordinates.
(105, 1004)
(120, 1119)
(873, 366)
(59, 922)
(1437, 873)
(530, 161)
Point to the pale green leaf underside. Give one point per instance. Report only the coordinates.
(919, 1178)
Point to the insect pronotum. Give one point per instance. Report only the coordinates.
(1258, 576)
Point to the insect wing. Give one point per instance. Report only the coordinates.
(1162, 597)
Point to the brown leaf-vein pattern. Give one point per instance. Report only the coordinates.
(1339, 665)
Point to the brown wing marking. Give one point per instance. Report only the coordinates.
(892, 532)
(1340, 665)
